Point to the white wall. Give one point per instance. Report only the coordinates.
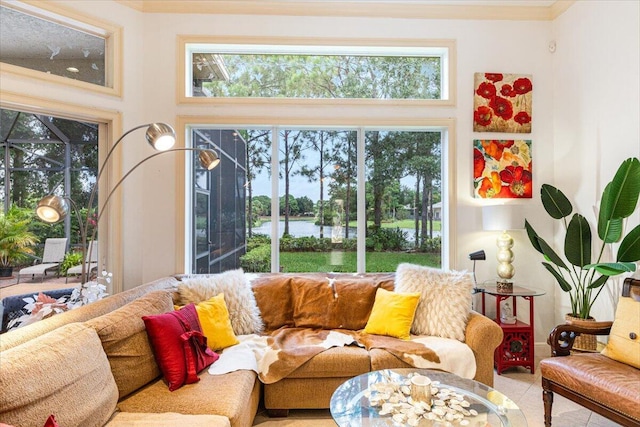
(585, 102)
(596, 111)
(482, 46)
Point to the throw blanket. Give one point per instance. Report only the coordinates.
(278, 354)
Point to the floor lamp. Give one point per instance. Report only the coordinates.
(53, 208)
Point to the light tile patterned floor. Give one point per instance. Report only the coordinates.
(517, 383)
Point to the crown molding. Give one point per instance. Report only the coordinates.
(371, 9)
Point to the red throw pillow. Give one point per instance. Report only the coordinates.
(179, 346)
(51, 422)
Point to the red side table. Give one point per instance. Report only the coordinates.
(517, 346)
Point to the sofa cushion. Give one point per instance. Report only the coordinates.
(354, 303)
(624, 339)
(332, 302)
(610, 383)
(84, 313)
(243, 310)
(335, 362)
(124, 339)
(392, 314)
(273, 297)
(445, 300)
(234, 395)
(64, 372)
(172, 337)
(313, 301)
(166, 419)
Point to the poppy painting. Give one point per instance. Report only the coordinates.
(502, 103)
(502, 169)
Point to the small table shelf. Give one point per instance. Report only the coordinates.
(517, 346)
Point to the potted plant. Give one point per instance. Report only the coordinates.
(16, 241)
(582, 277)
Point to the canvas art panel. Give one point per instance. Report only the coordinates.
(502, 169)
(502, 102)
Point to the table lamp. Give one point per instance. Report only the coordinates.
(503, 218)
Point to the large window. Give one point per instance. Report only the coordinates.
(306, 216)
(359, 197)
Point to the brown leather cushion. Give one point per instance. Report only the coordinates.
(598, 378)
(313, 302)
(354, 303)
(273, 296)
(332, 303)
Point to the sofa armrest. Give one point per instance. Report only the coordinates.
(562, 337)
(483, 336)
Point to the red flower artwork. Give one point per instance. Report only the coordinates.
(483, 115)
(522, 117)
(522, 86)
(507, 90)
(502, 169)
(501, 107)
(486, 90)
(494, 77)
(504, 106)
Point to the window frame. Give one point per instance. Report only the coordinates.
(183, 198)
(112, 34)
(110, 125)
(448, 66)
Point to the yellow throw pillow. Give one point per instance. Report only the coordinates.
(392, 314)
(214, 320)
(624, 339)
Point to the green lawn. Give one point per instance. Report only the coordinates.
(301, 262)
(405, 223)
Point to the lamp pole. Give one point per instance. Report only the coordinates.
(52, 208)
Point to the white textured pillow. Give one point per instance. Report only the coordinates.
(445, 299)
(241, 303)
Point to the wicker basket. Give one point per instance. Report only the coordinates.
(583, 342)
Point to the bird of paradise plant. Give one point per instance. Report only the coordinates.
(578, 275)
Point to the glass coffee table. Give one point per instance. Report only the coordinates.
(351, 406)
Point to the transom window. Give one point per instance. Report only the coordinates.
(316, 72)
(55, 45)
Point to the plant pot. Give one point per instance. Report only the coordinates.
(6, 271)
(583, 342)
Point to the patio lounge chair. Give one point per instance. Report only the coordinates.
(54, 250)
(91, 265)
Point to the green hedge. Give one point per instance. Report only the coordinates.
(257, 260)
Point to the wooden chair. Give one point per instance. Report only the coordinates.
(593, 380)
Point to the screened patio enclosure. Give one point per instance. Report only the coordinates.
(41, 155)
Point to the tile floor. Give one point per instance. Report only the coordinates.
(517, 383)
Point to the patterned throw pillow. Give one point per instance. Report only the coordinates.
(445, 299)
(179, 346)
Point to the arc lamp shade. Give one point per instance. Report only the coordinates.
(52, 209)
(161, 136)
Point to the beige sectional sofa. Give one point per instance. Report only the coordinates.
(94, 366)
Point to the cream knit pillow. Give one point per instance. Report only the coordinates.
(445, 299)
(241, 302)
